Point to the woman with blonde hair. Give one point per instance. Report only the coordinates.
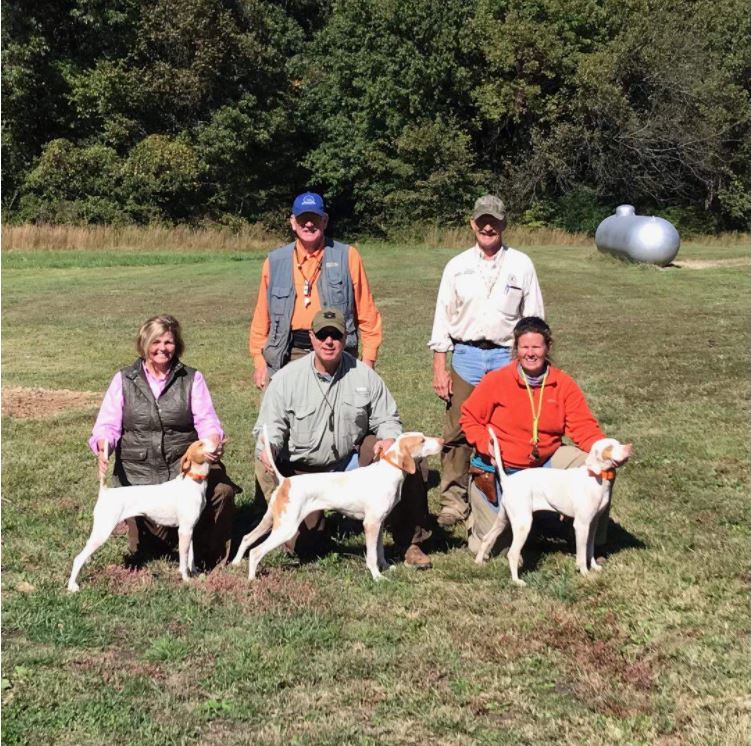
(152, 411)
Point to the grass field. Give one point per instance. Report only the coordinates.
(653, 650)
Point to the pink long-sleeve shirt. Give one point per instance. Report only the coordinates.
(109, 421)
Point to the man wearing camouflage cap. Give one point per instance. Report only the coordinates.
(484, 291)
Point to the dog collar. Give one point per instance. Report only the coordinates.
(385, 458)
(606, 474)
(196, 477)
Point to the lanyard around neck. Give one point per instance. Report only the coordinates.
(535, 415)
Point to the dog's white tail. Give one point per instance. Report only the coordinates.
(502, 476)
(270, 455)
(103, 478)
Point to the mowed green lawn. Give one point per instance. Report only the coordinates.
(653, 650)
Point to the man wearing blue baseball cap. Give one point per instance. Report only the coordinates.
(300, 278)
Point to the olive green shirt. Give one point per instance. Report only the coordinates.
(316, 420)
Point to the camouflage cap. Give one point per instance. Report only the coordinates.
(491, 205)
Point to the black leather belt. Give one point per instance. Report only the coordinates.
(482, 344)
(301, 339)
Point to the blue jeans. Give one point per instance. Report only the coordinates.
(472, 363)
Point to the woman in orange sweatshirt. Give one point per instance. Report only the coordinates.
(531, 405)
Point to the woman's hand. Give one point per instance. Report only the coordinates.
(214, 455)
(102, 458)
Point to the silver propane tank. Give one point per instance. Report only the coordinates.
(640, 238)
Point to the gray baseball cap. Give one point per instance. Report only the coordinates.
(491, 205)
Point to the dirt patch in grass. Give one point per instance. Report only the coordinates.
(599, 674)
(121, 580)
(38, 403)
(742, 261)
(270, 590)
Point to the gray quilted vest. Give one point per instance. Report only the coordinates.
(156, 432)
(335, 290)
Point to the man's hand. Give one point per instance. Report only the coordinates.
(442, 383)
(265, 461)
(261, 376)
(102, 461)
(381, 446)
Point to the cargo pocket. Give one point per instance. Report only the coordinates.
(133, 454)
(355, 418)
(302, 434)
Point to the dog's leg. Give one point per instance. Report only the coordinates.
(250, 538)
(372, 534)
(582, 530)
(283, 532)
(521, 531)
(591, 542)
(185, 539)
(382, 564)
(498, 527)
(191, 558)
(104, 525)
(91, 546)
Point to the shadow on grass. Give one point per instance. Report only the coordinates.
(551, 534)
(339, 532)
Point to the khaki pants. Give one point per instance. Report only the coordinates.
(483, 514)
(408, 521)
(456, 453)
(212, 534)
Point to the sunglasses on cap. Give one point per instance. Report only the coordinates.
(327, 332)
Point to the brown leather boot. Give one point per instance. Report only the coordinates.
(416, 558)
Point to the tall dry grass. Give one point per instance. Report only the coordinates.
(137, 238)
(257, 237)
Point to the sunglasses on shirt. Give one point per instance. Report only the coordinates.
(324, 334)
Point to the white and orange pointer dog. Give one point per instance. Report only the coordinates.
(367, 494)
(178, 502)
(582, 493)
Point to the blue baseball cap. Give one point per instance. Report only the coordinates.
(308, 202)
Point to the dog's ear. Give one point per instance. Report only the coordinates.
(594, 461)
(185, 463)
(406, 461)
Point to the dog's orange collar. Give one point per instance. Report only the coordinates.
(196, 477)
(607, 474)
(385, 458)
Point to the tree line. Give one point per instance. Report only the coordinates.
(399, 111)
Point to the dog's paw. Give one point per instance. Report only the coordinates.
(594, 566)
(73, 588)
(519, 583)
(480, 558)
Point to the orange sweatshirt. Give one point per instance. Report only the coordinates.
(501, 400)
(367, 315)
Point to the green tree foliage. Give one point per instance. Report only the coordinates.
(187, 110)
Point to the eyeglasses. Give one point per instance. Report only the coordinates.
(324, 334)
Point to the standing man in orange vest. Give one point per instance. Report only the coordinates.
(297, 280)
